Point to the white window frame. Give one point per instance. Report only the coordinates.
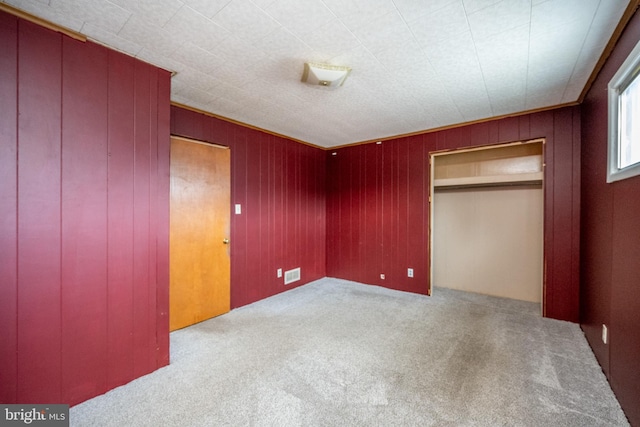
(627, 73)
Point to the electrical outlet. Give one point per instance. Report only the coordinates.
(238, 209)
(605, 334)
(410, 272)
(382, 276)
(279, 272)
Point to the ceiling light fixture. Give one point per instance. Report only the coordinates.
(325, 74)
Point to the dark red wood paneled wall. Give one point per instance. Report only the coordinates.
(280, 185)
(378, 204)
(610, 267)
(84, 214)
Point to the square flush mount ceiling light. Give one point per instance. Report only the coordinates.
(324, 74)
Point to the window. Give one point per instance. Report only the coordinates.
(624, 120)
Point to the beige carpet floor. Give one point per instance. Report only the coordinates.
(339, 353)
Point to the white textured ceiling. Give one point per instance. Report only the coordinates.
(416, 64)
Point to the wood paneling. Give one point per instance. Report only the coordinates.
(38, 209)
(141, 213)
(84, 216)
(395, 185)
(624, 340)
(280, 185)
(610, 243)
(161, 198)
(120, 220)
(8, 203)
(84, 219)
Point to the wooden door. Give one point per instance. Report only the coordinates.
(199, 232)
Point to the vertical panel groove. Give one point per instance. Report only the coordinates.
(38, 194)
(61, 230)
(9, 205)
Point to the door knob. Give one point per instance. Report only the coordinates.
(225, 241)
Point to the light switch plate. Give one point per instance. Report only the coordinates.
(238, 209)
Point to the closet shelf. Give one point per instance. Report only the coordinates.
(492, 180)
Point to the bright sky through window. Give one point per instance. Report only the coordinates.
(629, 148)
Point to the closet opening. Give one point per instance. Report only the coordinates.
(487, 210)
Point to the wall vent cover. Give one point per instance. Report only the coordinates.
(291, 276)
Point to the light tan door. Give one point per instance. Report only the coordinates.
(199, 232)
